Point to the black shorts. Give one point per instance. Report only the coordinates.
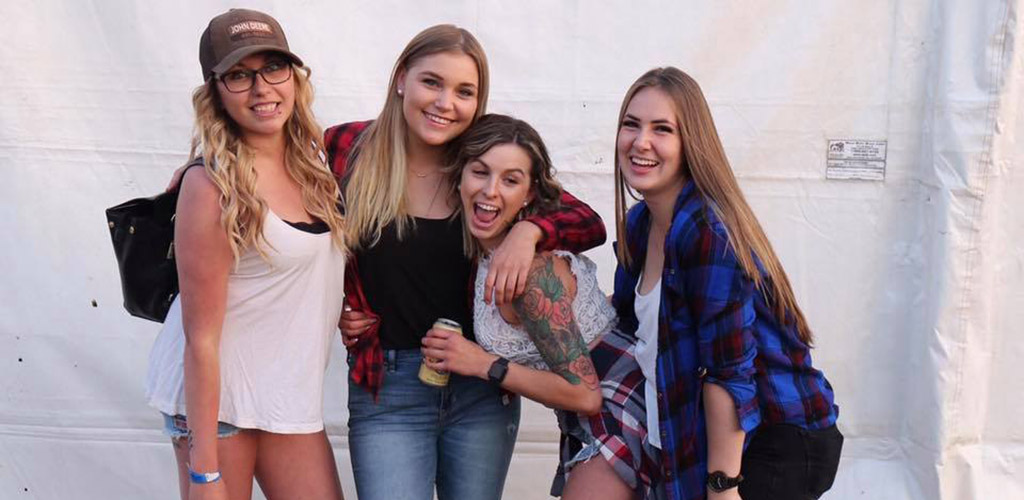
(790, 462)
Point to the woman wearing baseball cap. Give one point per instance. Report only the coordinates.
(238, 367)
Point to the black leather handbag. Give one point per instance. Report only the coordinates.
(142, 231)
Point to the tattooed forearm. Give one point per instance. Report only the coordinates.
(545, 309)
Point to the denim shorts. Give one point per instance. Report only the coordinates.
(589, 451)
(176, 427)
(576, 446)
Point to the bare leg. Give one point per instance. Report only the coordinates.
(595, 479)
(237, 458)
(297, 466)
(181, 456)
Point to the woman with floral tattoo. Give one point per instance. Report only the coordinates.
(537, 345)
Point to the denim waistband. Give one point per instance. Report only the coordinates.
(393, 358)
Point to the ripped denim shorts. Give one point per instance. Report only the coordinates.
(576, 447)
(589, 451)
(177, 427)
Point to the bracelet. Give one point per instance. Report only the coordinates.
(203, 477)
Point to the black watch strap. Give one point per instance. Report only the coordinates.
(719, 482)
(496, 374)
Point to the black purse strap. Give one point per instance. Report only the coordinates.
(198, 161)
(165, 204)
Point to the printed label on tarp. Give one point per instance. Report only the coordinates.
(855, 159)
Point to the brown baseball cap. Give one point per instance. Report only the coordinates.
(237, 34)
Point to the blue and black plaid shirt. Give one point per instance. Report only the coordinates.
(715, 327)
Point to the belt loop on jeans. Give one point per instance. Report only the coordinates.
(391, 360)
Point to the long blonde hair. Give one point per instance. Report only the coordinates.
(229, 164)
(375, 192)
(704, 162)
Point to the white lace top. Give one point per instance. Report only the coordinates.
(593, 313)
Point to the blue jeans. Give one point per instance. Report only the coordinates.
(459, 437)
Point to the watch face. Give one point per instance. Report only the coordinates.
(497, 372)
(716, 481)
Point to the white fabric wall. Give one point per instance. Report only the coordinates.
(912, 283)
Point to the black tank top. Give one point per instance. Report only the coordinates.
(411, 283)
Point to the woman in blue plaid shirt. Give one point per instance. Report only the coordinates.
(708, 389)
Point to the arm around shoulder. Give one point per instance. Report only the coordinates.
(574, 227)
(339, 141)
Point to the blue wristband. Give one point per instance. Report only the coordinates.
(203, 477)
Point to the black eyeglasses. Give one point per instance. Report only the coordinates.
(241, 80)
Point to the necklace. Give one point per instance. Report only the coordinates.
(434, 198)
(422, 176)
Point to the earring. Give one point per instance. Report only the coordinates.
(400, 92)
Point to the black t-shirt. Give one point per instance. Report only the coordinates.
(413, 282)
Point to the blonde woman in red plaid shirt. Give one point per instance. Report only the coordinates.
(408, 269)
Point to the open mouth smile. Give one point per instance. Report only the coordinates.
(265, 109)
(485, 213)
(643, 162)
(440, 120)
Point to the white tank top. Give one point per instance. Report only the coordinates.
(281, 316)
(593, 313)
(647, 308)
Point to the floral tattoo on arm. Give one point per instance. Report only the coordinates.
(545, 309)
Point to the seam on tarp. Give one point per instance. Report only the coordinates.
(996, 74)
(923, 475)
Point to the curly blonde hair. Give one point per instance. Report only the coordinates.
(229, 164)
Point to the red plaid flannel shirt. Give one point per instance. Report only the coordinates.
(574, 227)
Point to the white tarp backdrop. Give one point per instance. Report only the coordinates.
(912, 283)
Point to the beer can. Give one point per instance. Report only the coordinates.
(429, 375)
